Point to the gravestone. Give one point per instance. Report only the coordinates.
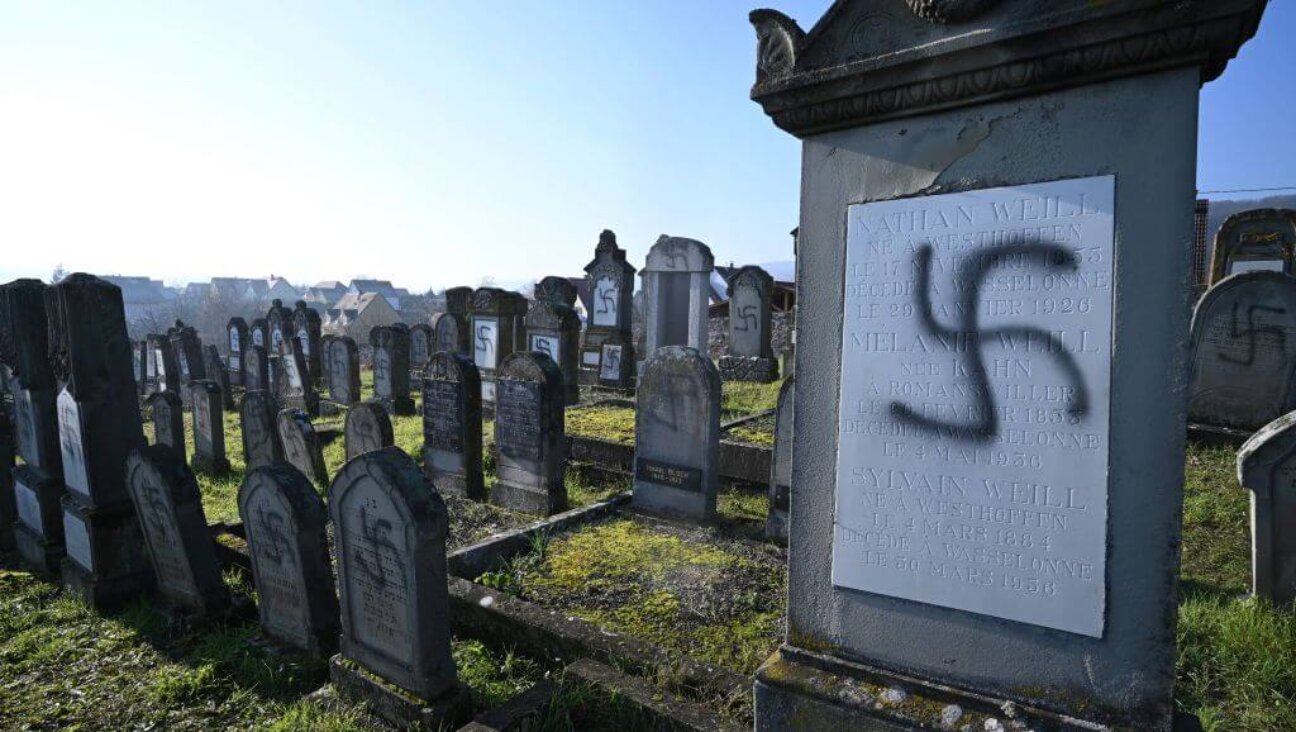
(301, 446)
(99, 424)
(390, 530)
(180, 547)
(297, 388)
(973, 176)
(421, 340)
(554, 329)
(38, 481)
(257, 416)
(237, 331)
(286, 525)
(392, 369)
(458, 301)
(1267, 467)
(780, 485)
(677, 434)
(1261, 239)
(368, 428)
(611, 284)
(556, 290)
(188, 355)
(616, 361)
(217, 372)
(151, 383)
(452, 425)
(260, 334)
(208, 410)
(139, 365)
(166, 371)
(8, 506)
(1243, 351)
(279, 323)
(677, 294)
(450, 333)
(342, 360)
(306, 327)
(168, 422)
(256, 369)
(530, 436)
(496, 328)
(750, 356)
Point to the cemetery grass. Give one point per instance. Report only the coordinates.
(738, 399)
(1237, 655)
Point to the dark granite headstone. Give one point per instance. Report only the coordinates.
(208, 409)
(1243, 351)
(554, 329)
(390, 530)
(452, 425)
(175, 531)
(677, 293)
(529, 433)
(168, 422)
(450, 333)
(258, 415)
(217, 372)
(421, 341)
(750, 356)
(342, 362)
(239, 342)
(285, 521)
(368, 428)
(677, 434)
(166, 370)
(306, 328)
(610, 279)
(458, 301)
(556, 290)
(279, 321)
(392, 369)
(301, 446)
(256, 369)
(780, 487)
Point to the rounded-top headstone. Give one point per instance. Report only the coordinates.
(556, 289)
(678, 254)
(368, 428)
(1266, 466)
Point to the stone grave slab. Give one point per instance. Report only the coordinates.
(452, 425)
(677, 434)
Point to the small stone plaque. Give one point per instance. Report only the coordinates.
(76, 540)
(590, 358)
(610, 369)
(29, 510)
(680, 477)
(75, 471)
(605, 302)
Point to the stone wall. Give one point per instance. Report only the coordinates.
(780, 335)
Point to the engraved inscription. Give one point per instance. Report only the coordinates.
(377, 573)
(517, 420)
(679, 477)
(442, 415)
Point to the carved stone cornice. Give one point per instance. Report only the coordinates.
(851, 70)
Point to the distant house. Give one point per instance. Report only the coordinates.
(198, 290)
(142, 297)
(277, 288)
(324, 294)
(230, 288)
(355, 315)
(383, 287)
(782, 300)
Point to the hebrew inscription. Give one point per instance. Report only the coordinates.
(975, 386)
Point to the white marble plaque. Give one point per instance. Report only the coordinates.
(590, 358)
(234, 340)
(488, 391)
(605, 302)
(76, 538)
(485, 342)
(548, 345)
(976, 371)
(1255, 265)
(28, 508)
(258, 338)
(75, 473)
(303, 338)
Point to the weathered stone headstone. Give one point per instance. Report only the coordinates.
(168, 422)
(260, 334)
(306, 327)
(557, 290)
(1267, 467)
(677, 293)
(166, 371)
(368, 428)
(496, 330)
(1243, 351)
(750, 356)
(780, 487)
(530, 436)
(973, 176)
(256, 369)
(342, 361)
(677, 434)
(452, 425)
(38, 481)
(237, 331)
(297, 387)
(208, 410)
(554, 330)
(390, 531)
(392, 369)
(279, 321)
(99, 424)
(1259, 239)
(8, 507)
(450, 333)
(458, 301)
(217, 372)
(180, 547)
(421, 341)
(139, 365)
(611, 283)
(286, 525)
(301, 446)
(258, 415)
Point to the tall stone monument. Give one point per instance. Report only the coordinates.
(530, 435)
(306, 329)
(611, 285)
(981, 373)
(391, 364)
(677, 294)
(1259, 239)
(237, 330)
(1266, 466)
(554, 330)
(452, 425)
(750, 356)
(496, 329)
(677, 434)
(99, 425)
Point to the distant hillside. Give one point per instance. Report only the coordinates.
(1222, 209)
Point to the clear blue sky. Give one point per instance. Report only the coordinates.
(436, 143)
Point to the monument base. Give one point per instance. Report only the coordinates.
(748, 368)
(209, 466)
(455, 484)
(38, 555)
(527, 500)
(403, 407)
(397, 706)
(7, 541)
(798, 689)
(107, 563)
